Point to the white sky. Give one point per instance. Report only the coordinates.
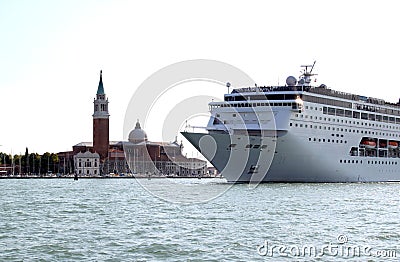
(51, 53)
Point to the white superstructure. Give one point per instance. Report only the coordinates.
(301, 133)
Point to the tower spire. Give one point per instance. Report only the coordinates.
(100, 88)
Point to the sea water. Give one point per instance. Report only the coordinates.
(122, 220)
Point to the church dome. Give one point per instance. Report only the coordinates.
(137, 135)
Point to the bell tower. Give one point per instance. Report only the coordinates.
(101, 122)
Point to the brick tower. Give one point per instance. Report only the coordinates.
(101, 122)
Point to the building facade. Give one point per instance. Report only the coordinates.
(87, 164)
(159, 158)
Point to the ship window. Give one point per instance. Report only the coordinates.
(372, 117)
(232, 145)
(325, 110)
(249, 146)
(340, 160)
(331, 111)
(356, 115)
(256, 146)
(364, 116)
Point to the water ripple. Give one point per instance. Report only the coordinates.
(117, 220)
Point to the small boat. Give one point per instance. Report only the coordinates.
(368, 143)
(393, 144)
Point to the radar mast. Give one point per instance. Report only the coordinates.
(305, 77)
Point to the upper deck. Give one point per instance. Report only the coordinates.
(314, 94)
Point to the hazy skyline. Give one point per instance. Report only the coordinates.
(51, 54)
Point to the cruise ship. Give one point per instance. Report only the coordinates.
(301, 133)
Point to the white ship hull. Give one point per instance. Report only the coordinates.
(293, 159)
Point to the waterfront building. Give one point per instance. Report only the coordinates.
(87, 164)
(147, 157)
(143, 156)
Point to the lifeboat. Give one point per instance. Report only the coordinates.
(393, 144)
(383, 144)
(368, 143)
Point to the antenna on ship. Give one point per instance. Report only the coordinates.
(313, 66)
(305, 78)
(228, 85)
